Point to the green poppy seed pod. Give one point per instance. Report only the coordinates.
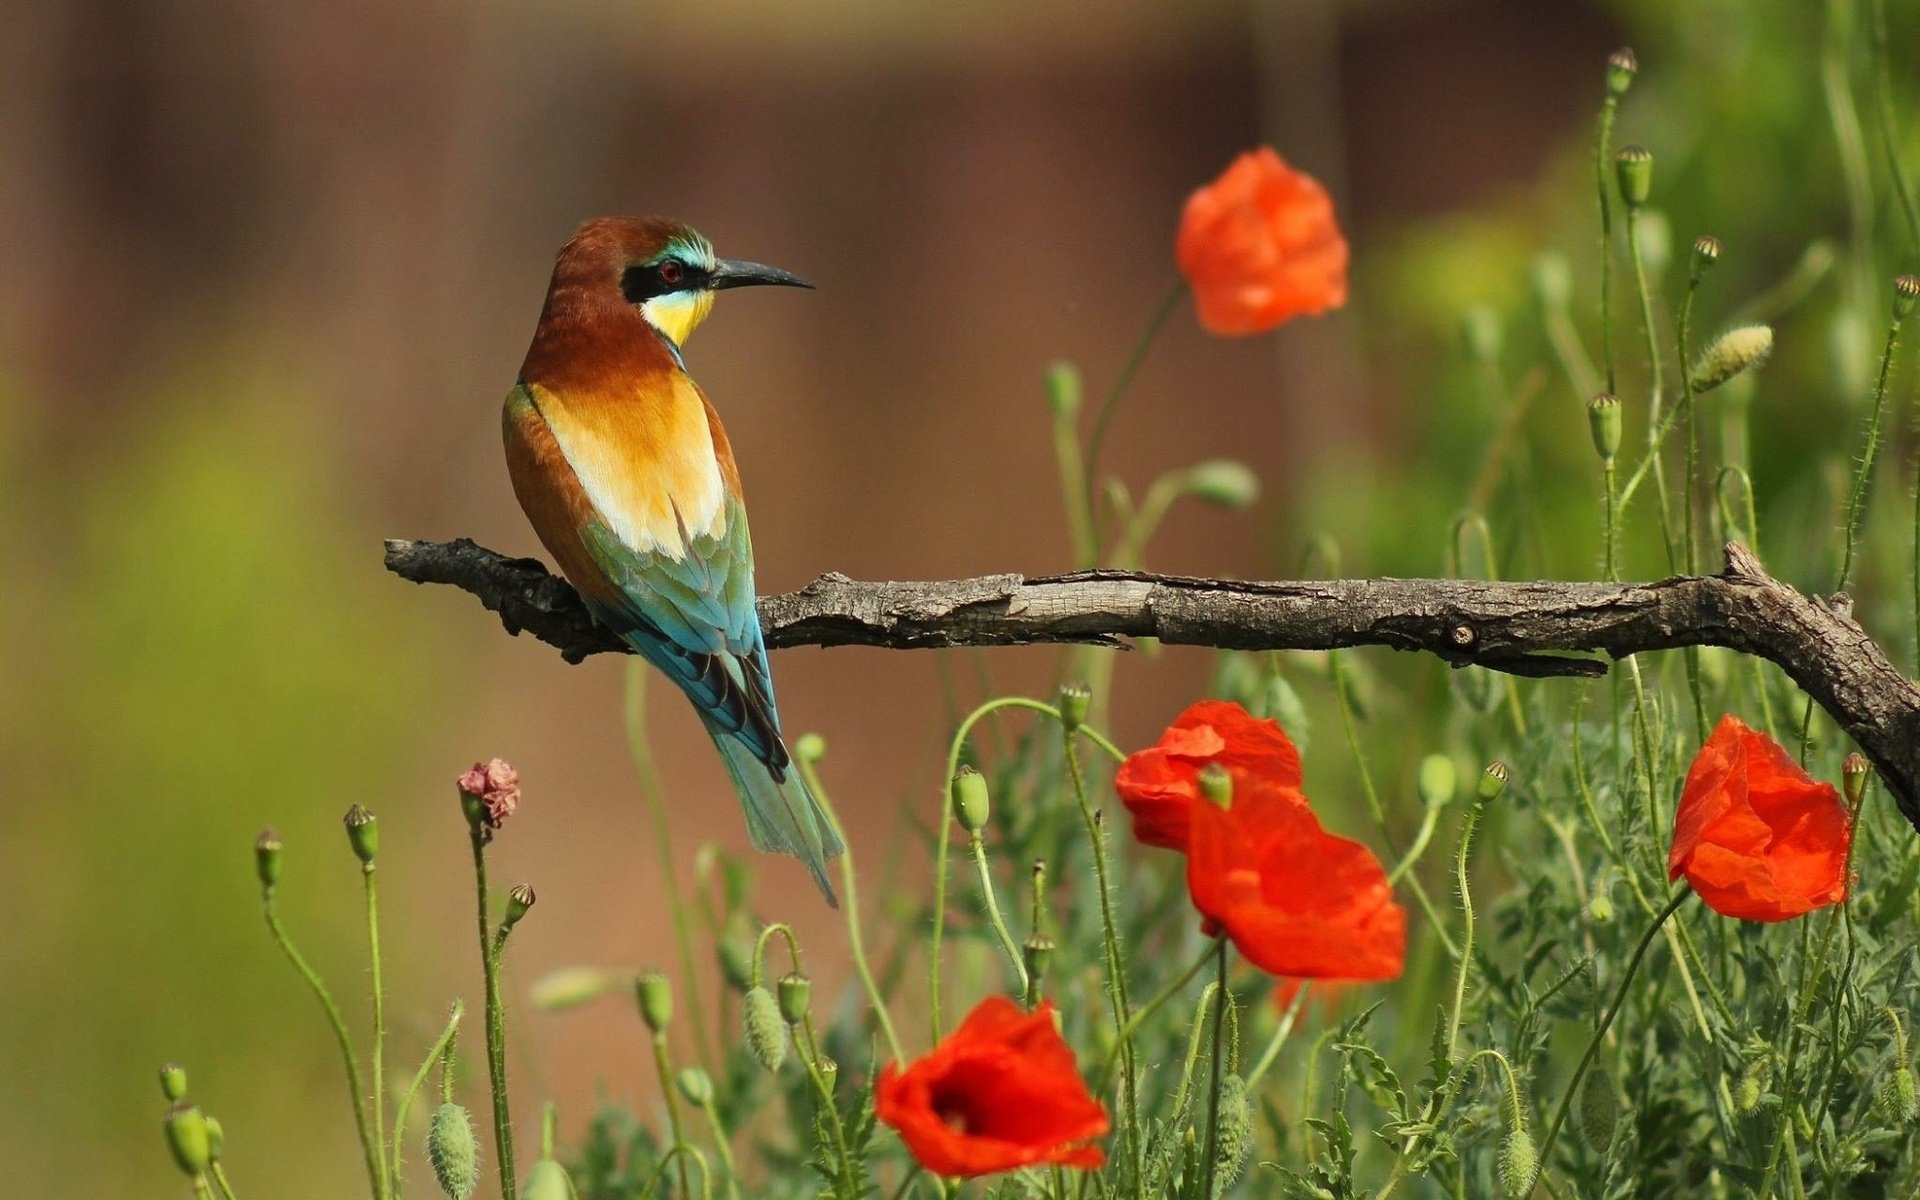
(1063, 389)
(1706, 252)
(187, 1138)
(1480, 330)
(1493, 781)
(1518, 1158)
(1894, 1102)
(548, 1181)
(1437, 781)
(766, 1030)
(1599, 1111)
(173, 1081)
(570, 987)
(363, 834)
(266, 858)
(1224, 483)
(1753, 1082)
(519, 902)
(1216, 785)
(1633, 169)
(1853, 776)
(1736, 350)
(1603, 420)
(1621, 68)
(696, 1085)
(810, 747)
(216, 1140)
(736, 961)
(829, 1070)
(1236, 1130)
(1076, 700)
(796, 997)
(1037, 951)
(655, 994)
(971, 806)
(1552, 281)
(1906, 290)
(1600, 909)
(452, 1151)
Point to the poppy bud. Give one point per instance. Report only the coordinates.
(547, 1181)
(970, 804)
(1493, 781)
(363, 834)
(1734, 351)
(1038, 953)
(1895, 1102)
(796, 993)
(736, 961)
(1437, 781)
(1853, 777)
(809, 747)
(1480, 330)
(216, 1140)
(1223, 482)
(1076, 699)
(1599, 1111)
(1063, 389)
(1216, 785)
(570, 987)
(1600, 909)
(1633, 168)
(452, 1152)
(187, 1138)
(655, 994)
(1603, 420)
(1621, 68)
(266, 858)
(766, 1031)
(696, 1085)
(1706, 252)
(173, 1081)
(1906, 290)
(519, 900)
(1518, 1158)
(1236, 1130)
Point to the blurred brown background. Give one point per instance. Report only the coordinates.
(269, 269)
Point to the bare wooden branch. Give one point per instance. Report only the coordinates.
(1536, 629)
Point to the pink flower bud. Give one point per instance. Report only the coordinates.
(496, 785)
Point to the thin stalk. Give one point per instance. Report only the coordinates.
(1153, 1005)
(1097, 438)
(496, 1019)
(1213, 1091)
(1075, 492)
(663, 1068)
(1863, 475)
(1287, 1019)
(1690, 483)
(1602, 173)
(722, 1143)
(1610, 534)
(379, 1023)
(979, 850)
(220, 1181)
(202, 1190)
(355, 1090)
(1593, 1044)
(440, 1052)
(811, 1060)
(1654, 387)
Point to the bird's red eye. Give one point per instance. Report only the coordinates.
(670, 271)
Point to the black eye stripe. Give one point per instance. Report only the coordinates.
(643, 282)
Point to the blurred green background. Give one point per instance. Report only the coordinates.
(270, 269)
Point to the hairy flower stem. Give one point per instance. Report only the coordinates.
(441, 1052)
(1593, 1043)
(1603, 176)
(379, 1025)
(496, 1017)
(856, 944)
(356, 1092)
(663, 1070)
(977, 846)
(810, 1058)
(1609, 532)
(1154, 1004)
(1213, 1087)
(1690, 484)
(1654, 388)
(1097, 438)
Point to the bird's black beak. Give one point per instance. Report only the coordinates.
(734, 272)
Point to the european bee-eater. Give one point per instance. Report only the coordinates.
(624, 469)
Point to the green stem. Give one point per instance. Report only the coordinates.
(1153, 1005)
(1280, 1034)
(721, 1143)
(1655, 385)
(442, 1046)
(856, 944)
(1075, 492)
(220, 1181)
(496, 1018)
(1602, 172)
(1466, 927)
(992, 905)
(355, 1090)
(1889, 135)
(1690, 483)
(202, 1190)
(379, 1024)
(1610, 533)
(1593, 1043)
(811, 1059)
(1098, 437)
(1213, 1093)
(663, 1069)
(1863, 475)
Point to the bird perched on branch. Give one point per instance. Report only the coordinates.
(624, 469)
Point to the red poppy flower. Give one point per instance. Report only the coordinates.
(997, 1093)
(1294, 899)
(1755, 835)
(1260, 246)
(1159, 784)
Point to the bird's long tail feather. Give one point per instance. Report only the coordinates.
(782, 815)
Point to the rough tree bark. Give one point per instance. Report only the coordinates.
(1535, 629)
